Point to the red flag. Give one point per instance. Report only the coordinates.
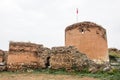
(77, 10)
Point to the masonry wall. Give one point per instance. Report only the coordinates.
(89, 38)
(68, 58)
(25, 55)
(1, 55)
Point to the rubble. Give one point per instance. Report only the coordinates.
(1, 55)
(114, 55)
(3, 60)
(95, 67)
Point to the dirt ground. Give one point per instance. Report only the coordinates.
(32, 76)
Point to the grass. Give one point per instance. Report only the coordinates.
(111, 75)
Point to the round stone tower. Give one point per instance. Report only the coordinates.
(88, 38)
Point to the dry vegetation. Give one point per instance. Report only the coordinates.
(41, 76)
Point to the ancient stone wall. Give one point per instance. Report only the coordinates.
(68, 58)
(88, 38)
(3, 60)
(1, 55)
(25, 55)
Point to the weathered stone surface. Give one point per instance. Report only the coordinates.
(3, 60)
(43, 56)
(95, 67)
(68, 58)
(114, 55)
(88, 38)
(23, 47)
(3, 68)
(1, 55)
(26, 55)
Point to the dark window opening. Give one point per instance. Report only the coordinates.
(82, 31)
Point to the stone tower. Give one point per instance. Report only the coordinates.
(88, 38)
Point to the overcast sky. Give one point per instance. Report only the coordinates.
(44, 21)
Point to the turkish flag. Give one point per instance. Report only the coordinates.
(77, 10)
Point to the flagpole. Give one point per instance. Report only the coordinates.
(76, 14)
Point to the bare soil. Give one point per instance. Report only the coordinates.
(41, 76)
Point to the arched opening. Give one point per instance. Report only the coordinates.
(47, 64)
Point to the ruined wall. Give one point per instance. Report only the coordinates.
(3, 60)
(1, 55)
(89, 38)
(68, 58)
(25, 55)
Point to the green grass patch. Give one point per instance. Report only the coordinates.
(111, 75)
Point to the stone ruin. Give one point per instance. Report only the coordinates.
(68, 58)
(3, 60)
(23, 56)
(1, 56)
(88, 38)
(85, 46)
